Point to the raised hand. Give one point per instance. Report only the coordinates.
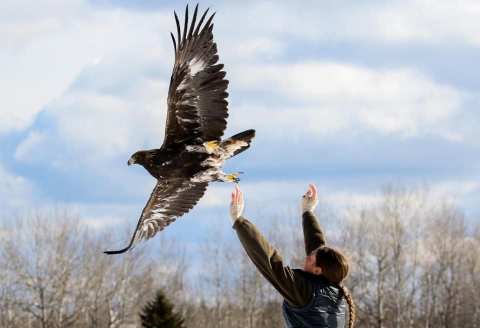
(236, 204)
(310, 199)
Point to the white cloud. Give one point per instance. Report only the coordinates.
(394, 22)
(333, 97)
(101, 216)
(49, 43)
(352, 199)
(463, 192)
(114, 106)
(250, 48)
(101, 75)
(16, 192)
(102, 222)
(30, 145)
(283, 196)
(91, 127)
(457, 188)
(429, 21)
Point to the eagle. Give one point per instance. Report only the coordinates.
(193, 152)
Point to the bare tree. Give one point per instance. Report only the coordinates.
(413, 264)
(54, 274)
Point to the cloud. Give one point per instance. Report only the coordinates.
(330, 98)
(49, 43)
(462, 191)
(87, 86)
(393, 22)
(116, 100)
(16, 192)
(113, 106)
(281, 196)
(284, 195)
(32, 143)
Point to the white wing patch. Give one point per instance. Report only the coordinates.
(183, 85)
(196, 65)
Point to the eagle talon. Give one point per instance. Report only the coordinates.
(233, 177)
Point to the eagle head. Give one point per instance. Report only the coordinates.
(138, 158)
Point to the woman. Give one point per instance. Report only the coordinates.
(314, 296)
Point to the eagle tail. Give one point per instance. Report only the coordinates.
(241, 141)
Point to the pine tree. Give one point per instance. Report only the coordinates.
(158, 313)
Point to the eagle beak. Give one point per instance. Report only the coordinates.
(131, 161)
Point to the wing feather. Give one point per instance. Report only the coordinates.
(197, 105)
(169, 200)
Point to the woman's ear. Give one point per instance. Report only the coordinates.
(317, 270)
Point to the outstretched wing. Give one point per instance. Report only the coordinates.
(169, 200)
(197, 105)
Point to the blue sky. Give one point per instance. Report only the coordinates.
(349, 95)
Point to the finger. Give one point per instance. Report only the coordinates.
(309, 192)
(234, 196)
(239, 199)
(313, 189)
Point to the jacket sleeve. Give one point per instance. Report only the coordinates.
(312, 233)
(290, 284)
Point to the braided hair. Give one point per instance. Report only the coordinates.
(335, 269)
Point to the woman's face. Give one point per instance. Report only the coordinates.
(310, 266)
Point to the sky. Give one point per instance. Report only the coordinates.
(349, 95)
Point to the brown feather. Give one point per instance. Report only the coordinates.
(197, 105)
(169, 200)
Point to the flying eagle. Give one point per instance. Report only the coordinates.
(192, 152)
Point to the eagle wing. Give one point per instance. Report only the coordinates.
(197, 105)
(169, 200)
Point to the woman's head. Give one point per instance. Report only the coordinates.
(329, 262)
(333, 263)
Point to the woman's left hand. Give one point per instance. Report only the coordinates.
(236, 204)
(310, 199)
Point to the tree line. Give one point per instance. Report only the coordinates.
(415, 262)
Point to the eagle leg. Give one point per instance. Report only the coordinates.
(232, 177)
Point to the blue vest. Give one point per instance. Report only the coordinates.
(326, 308)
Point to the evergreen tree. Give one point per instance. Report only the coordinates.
(158, 313)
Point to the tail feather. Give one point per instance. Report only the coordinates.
(245, 136)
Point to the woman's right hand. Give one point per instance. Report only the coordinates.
(310, 199)
(237, 204)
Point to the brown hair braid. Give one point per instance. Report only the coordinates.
(351, 305)
(335, 269)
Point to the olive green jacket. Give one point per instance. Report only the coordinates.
(290, 283)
